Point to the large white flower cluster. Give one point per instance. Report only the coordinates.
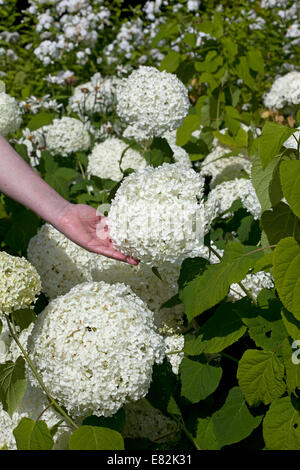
(95, 348)
(95, 96)
(284, 92)
(67, 135)
(229, 191)
(10, 114)
(104, 161)
(145, 421)
(158, 214)
(151, 103)
(60, 263)
(19, 283)
(292, 141)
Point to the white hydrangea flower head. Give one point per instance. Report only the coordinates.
(179, 155)
(220, 167)
(96, 96)
(95, 348)
(254, 283)
(67, 135)
(60, 262)
(158, 214)
(104, 161)
(5, 341)
(151, 103)
(229, 191)
(285, 91)
(10, 114)
(19, 283)
(145, 421)
(2, 86)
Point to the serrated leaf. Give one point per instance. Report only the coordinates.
(23, 317)
(264, 263)
(244, 73)
(198, 379)
(270, 142)
(286, 272)
(234, 422)
(260, 376)
(212, 286)
(279, 223)
(95, 438)
(12, 384)
(292, 325)
(290, 182)
(31, 435)
(160, 152)
(222, 329)
(205, 436)
(266, 182)
(191, 123)
(256, 61)
(281, 425)
(170, 62)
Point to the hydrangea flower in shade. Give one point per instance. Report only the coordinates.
(95, 348)
(254, 283)
(158, 214)
(151, 103)
(285, 91)
(10, 114)
(145, 421)
(67, 135)
(229, 191)
(19, 283)
(61, 263)
(104, 161)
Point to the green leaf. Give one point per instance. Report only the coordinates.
(212, 286)
(39, 120)
(222, 329)
(191, 123)
(170, 62)
(281, 426)
(292, 369)
(66, 173)
(198, 379)
(12, 384)
(160, 393)
(244, 73)
(22, 228)
(234, 422)
(292, 325)
(290, 182)
(270, 142)
(206, 437)
(279, 223)
(260, 376)
(266, 183)
(23, 317)
(115, 422)
(190, 39)
(190, 268)
(256, 61)
(31, 435)
(159, 152)
(95, 438)
(286, 272)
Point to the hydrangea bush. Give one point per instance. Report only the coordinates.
(175, 121)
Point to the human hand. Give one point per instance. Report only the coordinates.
(85, 226)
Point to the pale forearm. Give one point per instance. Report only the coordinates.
(21, 183)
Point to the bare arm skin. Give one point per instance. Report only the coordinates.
(79, 222)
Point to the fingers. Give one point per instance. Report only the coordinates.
(114, 254)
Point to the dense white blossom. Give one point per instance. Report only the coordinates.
(10, 114)
(145, 421)
(285, 91)
(151, 103)
(67, 135)
(95, 348)
(254, 283)
(104, 161)
(19, 283)
(292, 141)
(95, 96)
(60, 263)
(158, 214)
(5, 340)
(229, 191)
(175, 343)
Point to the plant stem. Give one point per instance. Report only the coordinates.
(36, 374)
(229, 357)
